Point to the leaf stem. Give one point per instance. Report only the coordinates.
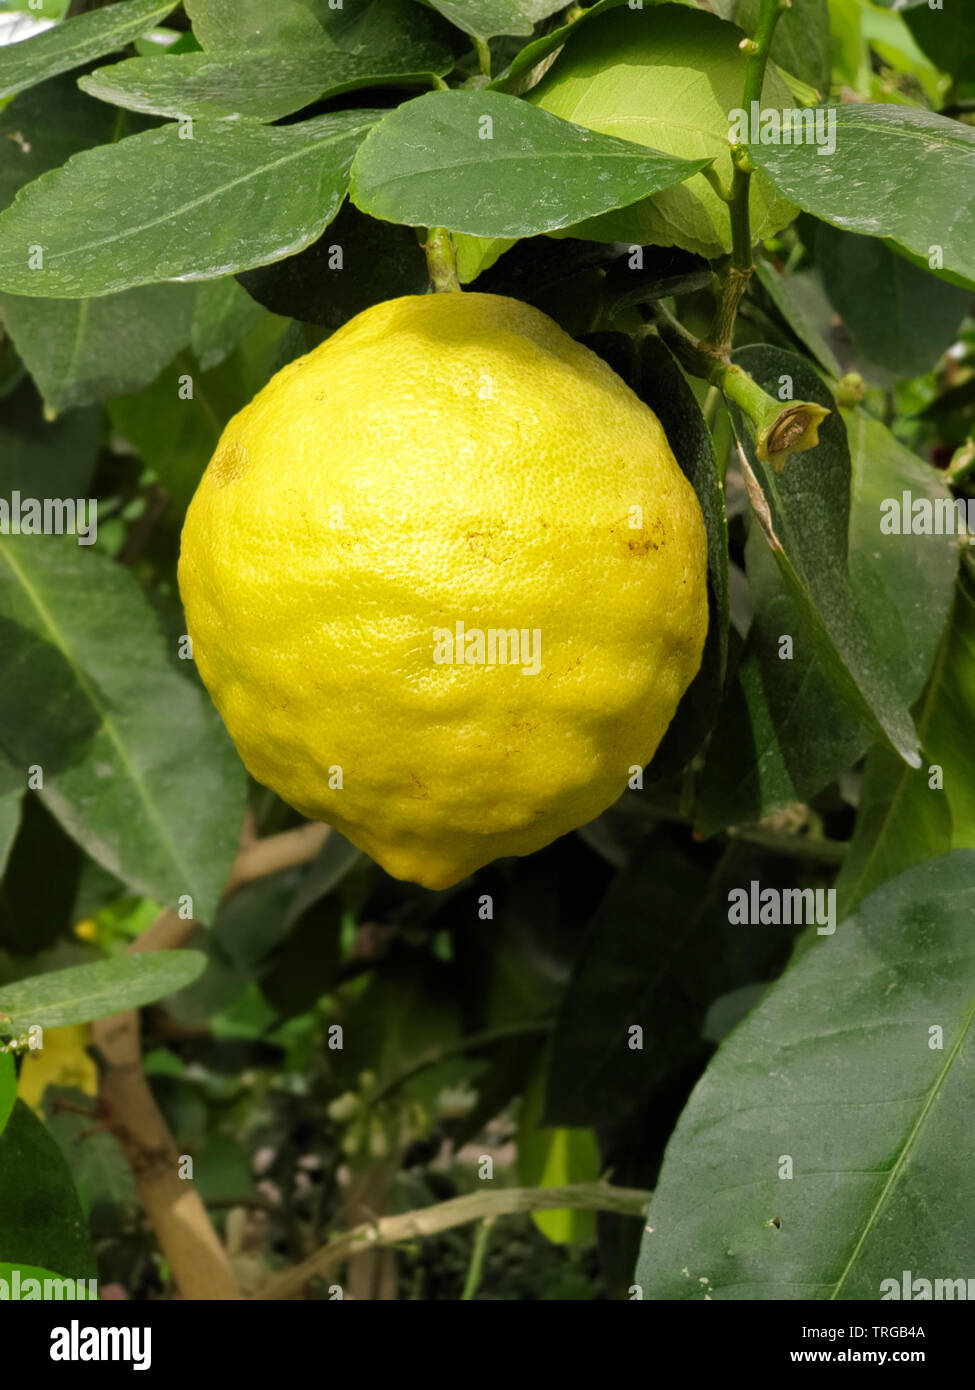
(739, 269)
(441, 260)
(476, 1267)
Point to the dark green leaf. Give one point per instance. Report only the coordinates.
(662, 271)
(80, 351)
(811, 549)
(160, 207)
(77, 41)
(638, 967)
(903, 818)
(947, 35)
(881, 151)
(837, 1069)
(427, 164)
(44, 127)
(12, 787)
(785, 730)
(86, 992)
(45, 458)
(8, 1088)
(661, 384)
(790, 296)
(41, 1221)
(136, 764)
(899, 316)
(358, 262)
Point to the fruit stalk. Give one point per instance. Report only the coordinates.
(441, 260)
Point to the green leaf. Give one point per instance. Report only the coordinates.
(8, 1088)
(900, 317)
(661, 384)
(664, 77)
(80, 351)
(77, 41)
(427, 164)
(839, 1070)
(86, 992)
(261, 84)
(12, 788)
(801, 43)
(880, 152)
(44, 127)
(176, 436)
(902, 818)
(485, 19)
(791, 296)
(811, 549)
(947, 35)
(50, 458)
(230, 24)
(555, 1157)
(41, 1221)
(223, 314)
(136, 764)
(785, 730)
(101, 1175)
(158, 207)
(356, 263)
(635, 969)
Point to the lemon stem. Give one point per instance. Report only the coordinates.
(739, 269)
(441, 260)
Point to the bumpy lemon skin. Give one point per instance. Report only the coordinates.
(444, 458)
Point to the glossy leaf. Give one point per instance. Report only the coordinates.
(41, 1221)
(83, 993)
(665, 77)
(487, 18)
(880, 152)
(428, 164)
(136, 765)
(77, 41)
(838, 1068)
(262, 84)
(233, 196)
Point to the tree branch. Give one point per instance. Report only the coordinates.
(201, 1268)
(459, 1211)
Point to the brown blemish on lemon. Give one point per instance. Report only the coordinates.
(230, 462)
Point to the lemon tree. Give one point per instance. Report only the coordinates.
(487, 623)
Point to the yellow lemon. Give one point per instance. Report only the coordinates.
(446, 583)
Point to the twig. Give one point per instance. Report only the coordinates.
(459, 1211)
(740, 266)
(175, 1212)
